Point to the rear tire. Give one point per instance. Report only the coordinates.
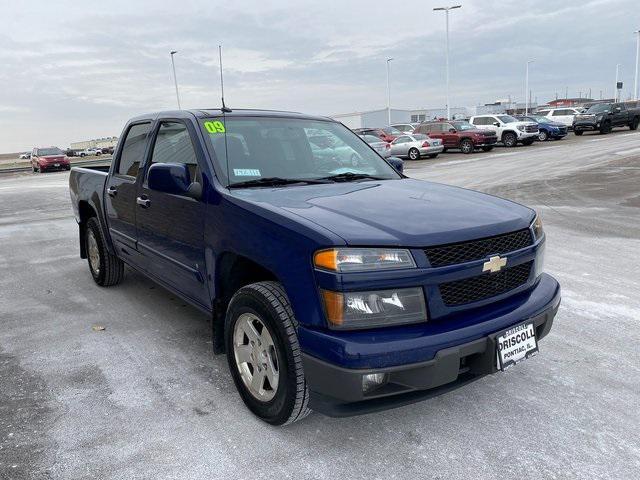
(106, 269)
(578, 132)
(487, 148)
(509, 139)
(413, 154)
(254, 308)
(466, 146)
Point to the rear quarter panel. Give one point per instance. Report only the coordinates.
(86, 185)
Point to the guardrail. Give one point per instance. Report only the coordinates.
(80, 163)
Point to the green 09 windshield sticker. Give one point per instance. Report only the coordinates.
(214, 127)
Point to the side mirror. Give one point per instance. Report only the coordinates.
(617, 110)
(496, 124)
(169, 178)
(452, 130)
(396, 163)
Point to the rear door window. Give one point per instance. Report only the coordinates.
(133, 149)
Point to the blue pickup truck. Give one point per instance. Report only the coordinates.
(340, 286)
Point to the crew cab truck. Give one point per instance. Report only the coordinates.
(603, 117)
(509, 130)
(342, 289)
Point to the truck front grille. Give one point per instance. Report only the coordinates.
(484, 286)
(531, 128)
(454, 253)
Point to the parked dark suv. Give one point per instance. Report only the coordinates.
(459, 134)
(603, 117)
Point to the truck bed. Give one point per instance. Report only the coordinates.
(86, 184)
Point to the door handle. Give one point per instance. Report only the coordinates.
(143, 202)
(112, 191)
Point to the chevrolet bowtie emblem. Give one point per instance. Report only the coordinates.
(494, 264)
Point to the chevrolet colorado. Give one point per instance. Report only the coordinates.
(342, 289)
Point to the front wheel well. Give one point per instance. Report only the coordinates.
(232, 273)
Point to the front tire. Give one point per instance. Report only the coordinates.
(543, 136)
(106, 269)
(264, 354)
(634, 123)
(487, 148)
(578, 132)
(414, 154)
(605, 128)
(528, 141)
(509, 139)
(466, 146)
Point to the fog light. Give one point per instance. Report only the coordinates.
(371, 381)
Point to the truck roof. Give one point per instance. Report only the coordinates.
(236, 112)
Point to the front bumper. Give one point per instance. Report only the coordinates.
(337, 391)
(526, 135)
(586, 126)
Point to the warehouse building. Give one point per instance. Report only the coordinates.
(106, 142)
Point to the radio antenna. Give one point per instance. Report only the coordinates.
(224, 107)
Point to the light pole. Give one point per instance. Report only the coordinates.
(615, 96)
(636, 95)
(388, 93)
(526, 89)
(175, 80)
(446, 11)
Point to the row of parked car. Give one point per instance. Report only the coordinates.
(53, 158)
(483, 132)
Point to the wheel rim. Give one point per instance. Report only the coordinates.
(509, 141)
(413, 154)
(466, 147)
(256, 357)
(542, 136)
(93, 252)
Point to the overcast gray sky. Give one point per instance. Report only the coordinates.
(75, 70)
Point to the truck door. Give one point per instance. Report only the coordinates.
(619, 113)
(171, 227)
(120, 190)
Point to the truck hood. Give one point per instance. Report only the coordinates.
(404, 212)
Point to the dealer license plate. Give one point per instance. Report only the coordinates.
(516, 344)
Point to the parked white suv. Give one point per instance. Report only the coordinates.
(90, 151)
(563, 115)
(509, 130)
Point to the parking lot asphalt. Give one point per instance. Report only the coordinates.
(145, 397)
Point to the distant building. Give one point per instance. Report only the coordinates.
(573, 102)
(106, 142)
(373, 118)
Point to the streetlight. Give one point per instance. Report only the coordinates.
(446, 10)
(388, 93)
(526, 89)
(175, 80)
(615, 95)
(636, 95)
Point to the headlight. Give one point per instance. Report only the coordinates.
(376, 308)
(536, 228)
(363, 259)
(521, 128)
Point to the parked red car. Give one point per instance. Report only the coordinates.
(49, 158)
(386, 134)
(459, 134)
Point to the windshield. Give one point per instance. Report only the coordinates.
(50, 151)
(253, 148)
(463, 126)
(541, 119)
(507, 119)
(599, 108)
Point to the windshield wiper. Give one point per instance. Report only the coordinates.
(274, 181)
(349, 176)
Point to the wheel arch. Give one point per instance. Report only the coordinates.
(232, 272)
(85, 211)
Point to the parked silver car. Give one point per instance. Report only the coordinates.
(416, 146)
(383, 148)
